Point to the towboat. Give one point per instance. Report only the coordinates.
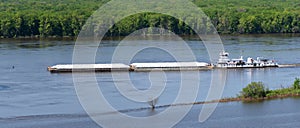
(260, 62)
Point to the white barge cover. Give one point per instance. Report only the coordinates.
(168, 66)
(89, 67)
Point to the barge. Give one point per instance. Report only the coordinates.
(88, 68)
(169, 66)
(165, 66)
(223, 62)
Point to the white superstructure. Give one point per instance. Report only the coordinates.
(260, 62)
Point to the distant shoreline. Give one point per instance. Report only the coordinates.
(70, 38)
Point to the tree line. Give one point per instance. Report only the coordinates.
(19, 18)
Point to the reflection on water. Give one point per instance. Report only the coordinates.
(36, 45)
(32, 43)
(3, 87)
(28, 89)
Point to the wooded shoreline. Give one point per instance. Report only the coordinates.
(38, 19)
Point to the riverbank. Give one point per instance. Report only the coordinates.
(185, 37)
(256, 91)
(289, 92)
(224, 100)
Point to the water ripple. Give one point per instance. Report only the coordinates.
(3, 87)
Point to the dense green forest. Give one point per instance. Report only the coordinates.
(36, 18)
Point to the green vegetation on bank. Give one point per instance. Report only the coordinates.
(257, 90)
(254, 90)
(35, 18)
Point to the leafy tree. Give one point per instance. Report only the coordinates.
(296, 84)
(254, 90)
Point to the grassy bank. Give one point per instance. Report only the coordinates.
(256, 91)
(253, 92)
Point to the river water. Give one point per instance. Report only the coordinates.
(31, 97)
